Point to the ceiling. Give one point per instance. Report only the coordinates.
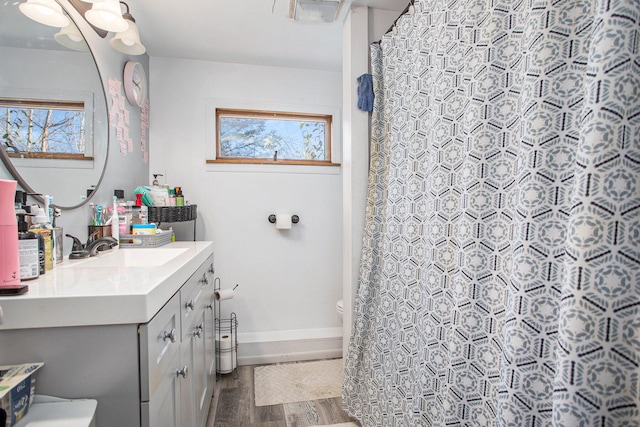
(238, 31)
(243, 31)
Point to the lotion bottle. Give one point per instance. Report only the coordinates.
(9, 257)
(39, 226)
(28, 246)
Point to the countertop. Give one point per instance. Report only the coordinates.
(103, 290)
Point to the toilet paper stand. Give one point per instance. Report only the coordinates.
(226, 336)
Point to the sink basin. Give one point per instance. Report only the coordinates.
(147, 257)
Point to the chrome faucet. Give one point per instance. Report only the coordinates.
(101, 244)
(92, 246)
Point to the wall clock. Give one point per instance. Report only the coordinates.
(135, 83)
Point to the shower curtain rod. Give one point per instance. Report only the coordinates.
(404, 12)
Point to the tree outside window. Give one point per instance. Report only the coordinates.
(42, 128)
(246, 136)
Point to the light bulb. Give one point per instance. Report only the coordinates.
(46, 12)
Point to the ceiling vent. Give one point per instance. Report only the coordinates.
(314, 11)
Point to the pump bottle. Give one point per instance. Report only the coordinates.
(28, 248)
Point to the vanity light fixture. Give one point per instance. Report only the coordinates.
(107, 15)
(314, 11)
(71, 38)
(128, 41)
(46, 12)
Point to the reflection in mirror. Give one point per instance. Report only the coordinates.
(54, 135)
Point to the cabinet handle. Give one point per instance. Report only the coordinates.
(211, 269)
(190, 305)
(198, 330)
(171, 336)
(205, 280)
(183, 372)
(209, 306)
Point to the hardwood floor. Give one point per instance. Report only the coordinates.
(233, 406)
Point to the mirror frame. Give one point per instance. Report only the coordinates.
(6, 160)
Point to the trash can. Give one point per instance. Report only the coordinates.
(58, 412)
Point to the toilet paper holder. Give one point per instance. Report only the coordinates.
(294, 219)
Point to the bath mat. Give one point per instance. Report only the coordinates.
(297, 382)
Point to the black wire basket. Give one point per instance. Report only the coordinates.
(160, 214)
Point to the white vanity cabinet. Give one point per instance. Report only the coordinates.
(132, 329)
(176, 356)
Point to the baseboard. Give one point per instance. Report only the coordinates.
(257, 348)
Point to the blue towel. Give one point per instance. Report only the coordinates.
(365, 92)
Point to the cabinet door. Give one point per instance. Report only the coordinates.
(164, 407)
(210, 332)
(186, 383)
(159, 343)
(210, 350)
(200, 380)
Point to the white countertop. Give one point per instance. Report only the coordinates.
(102, 290)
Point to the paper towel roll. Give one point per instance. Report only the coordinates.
(283, 221)
(227, 353)
(224, 294)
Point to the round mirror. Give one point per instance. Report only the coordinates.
(53, 109)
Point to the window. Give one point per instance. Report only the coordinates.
(34, 128)
(253, 136)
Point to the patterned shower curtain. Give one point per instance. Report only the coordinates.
(500, 277)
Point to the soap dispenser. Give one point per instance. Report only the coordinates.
(9, 257)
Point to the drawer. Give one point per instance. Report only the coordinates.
(195, 296)
(159, 343)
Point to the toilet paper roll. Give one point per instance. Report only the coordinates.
(224, 294)
(283, 221)
(224, 342)
(227, 354)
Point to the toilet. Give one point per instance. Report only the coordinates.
(339, 309)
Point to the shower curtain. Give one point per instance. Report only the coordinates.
(500, 276)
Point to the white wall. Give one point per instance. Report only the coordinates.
(362, 26)
(289, 281)
(356, 156)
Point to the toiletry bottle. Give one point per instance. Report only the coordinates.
(122, 218)
(28, 248)
(58, 233)
(48, 210)
(41, 249)
(128, 215)
(172, 197)
(20, 201)
(179, 197)
(40, 227)
(58, 248)
(9, 258)
(119, 194)
(143, 212)
(115, 221)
